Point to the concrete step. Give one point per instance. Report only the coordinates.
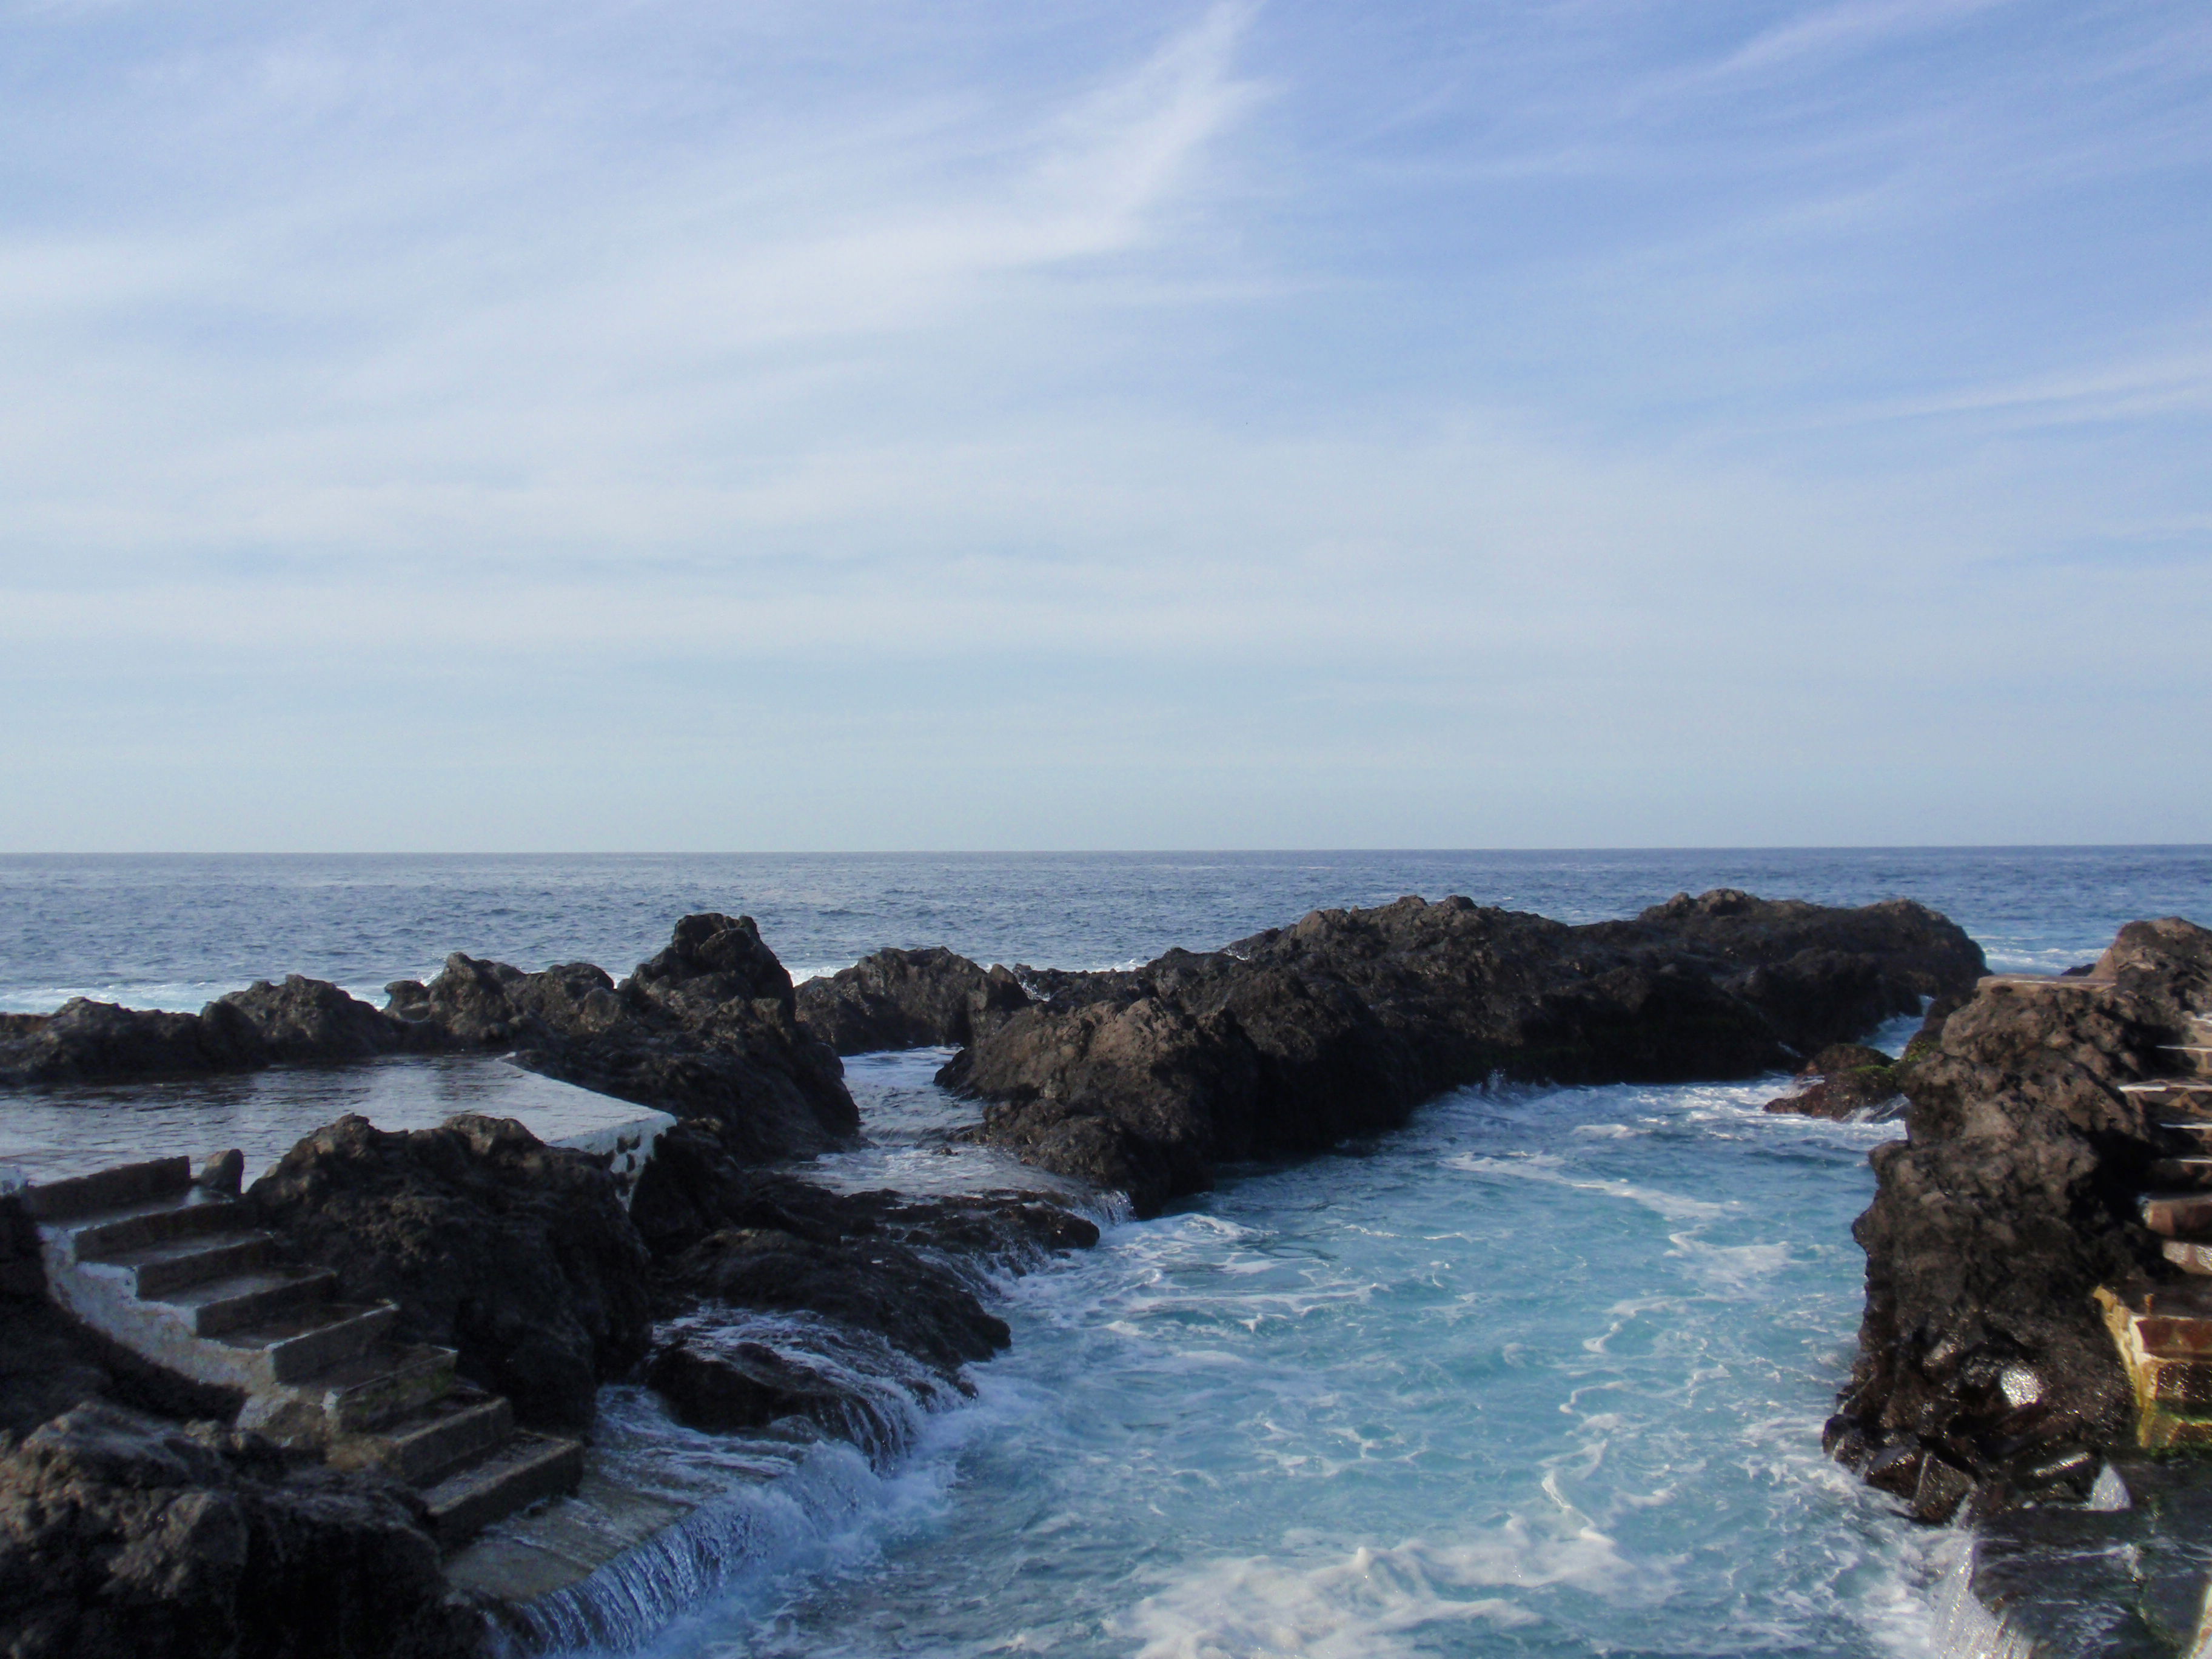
(2177, 1215)
(2170, 1086)
(372, 1389)
(177, 1263)
(2169, 1336)
(261, 1297)
(525, 1470)
(106, 1233)
(2187, 1172)
(310, 1340)
(2188, 1254)
(108, 1189)
(2177, 1301)
(2165, 1343)
(447, 1435)
(2196, 1059)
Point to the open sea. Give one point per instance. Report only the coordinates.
(1541, 1374)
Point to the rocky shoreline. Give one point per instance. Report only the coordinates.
(133, 1519)
(1985, 1376)
(1284, 1044)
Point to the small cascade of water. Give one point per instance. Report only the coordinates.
(745, 1505)
(1965, 1628)
(756, 1529)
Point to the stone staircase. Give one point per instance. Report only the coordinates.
(176, 1273)
(2165, 1334)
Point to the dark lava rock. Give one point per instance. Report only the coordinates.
(744, 1385)
(310, 1020)
(865, 1272)
(2011, 1198)
(706, 1028)
(1820, 974)
(709, 1026)
(87, 1040)
(1846, 1079)
(908, 1000)
(696, 1184)
(302, 1020)
(515, 1253)
(1289, 1041)
(917, 1305)
(122, 1537)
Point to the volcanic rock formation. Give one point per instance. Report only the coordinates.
(1983, 1369)
(1289, 1041)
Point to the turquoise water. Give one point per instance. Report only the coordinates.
(1542, 1373)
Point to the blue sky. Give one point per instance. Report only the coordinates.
(480, 426)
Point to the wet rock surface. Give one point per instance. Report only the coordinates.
(1983, 1370)
(2126, 1581)
(904, 1270)
(1291, 1041)
(908, 1000)
(517, 1253)
(743, 1385)
(864, 1282)
(125, 1536)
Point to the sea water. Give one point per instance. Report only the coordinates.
(1541, 1373)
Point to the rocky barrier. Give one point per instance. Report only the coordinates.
(1986, 1376)
(136, 1519)
(1287, 1042)
(708, 1027)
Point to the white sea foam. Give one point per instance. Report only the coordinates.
(1671, 1207)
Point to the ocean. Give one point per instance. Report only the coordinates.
(1542, 1373)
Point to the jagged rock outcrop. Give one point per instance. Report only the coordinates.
(1819, 974)
(1288, 1041)
(123, 1537)
(747, 1385)
(309, 1021)
(84, 1039)
(298, 1021)
(864, 1283)
(1844, 1079)
(1983, 1369)
(883, 1266)
(908, 1000)
(517, 1253)
(698, 1183)
(707, 1027)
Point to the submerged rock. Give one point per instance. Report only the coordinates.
(515, 1253)
(123, 1537)
(1287, 1042)
(2012, 1198)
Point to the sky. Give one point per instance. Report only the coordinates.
(655, 425)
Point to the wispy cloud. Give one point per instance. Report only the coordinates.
(1567, 392)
